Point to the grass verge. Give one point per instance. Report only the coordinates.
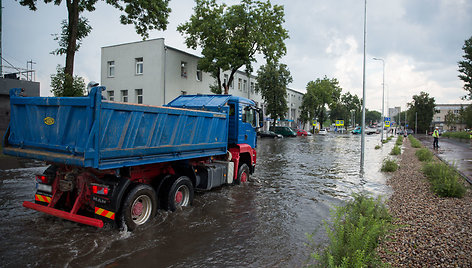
(354, 232)
(414, 142)
(445, 181)
(424, 154)
(377, 147)
(457, 135)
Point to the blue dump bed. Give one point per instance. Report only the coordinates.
(92, 132)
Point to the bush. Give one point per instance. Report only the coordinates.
(414, 142)
(399, 140)
(385, 141)
(389, 138)
(377, 147)
(389, 165)
(444, 180)
(457, 135)
(354, 233)
(396, 150)
(424, 154)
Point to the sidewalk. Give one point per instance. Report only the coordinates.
(453, 151)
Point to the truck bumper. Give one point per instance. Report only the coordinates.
(64, 215)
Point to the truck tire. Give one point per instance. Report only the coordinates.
(139, 207)
(178, 193)
(243, 174)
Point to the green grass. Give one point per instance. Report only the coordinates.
(389, 138)
(385, 141)
(445, 181)
(389, 165)
(399, 140)
(457, 135)
(354, 233)
(424, 154)
(396, 150)
(377, 147)
(414, 142)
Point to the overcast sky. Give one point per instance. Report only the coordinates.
(420, 40)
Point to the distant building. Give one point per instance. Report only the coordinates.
(150, 72)
(439, 118)
(392, 112)
(31, 90)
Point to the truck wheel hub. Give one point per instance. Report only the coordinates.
(178, 197)
(137, 209)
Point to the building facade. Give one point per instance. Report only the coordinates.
(439, 118)
(150, 72)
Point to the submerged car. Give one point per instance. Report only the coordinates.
(269, 134)
(284, 131)
(323, 131)
(301, 132)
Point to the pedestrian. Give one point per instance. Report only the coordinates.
(436, 138)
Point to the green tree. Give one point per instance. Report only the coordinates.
(466, 116)
(372, 116)
(423, 107)
(146, 15)
(83, 30)
(465, 68)
(63, 85)
(451, 119)
(272, 81)
(231, 36)
(320, 93)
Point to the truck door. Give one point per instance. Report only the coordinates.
(249, 125)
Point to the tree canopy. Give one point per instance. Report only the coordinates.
(347, 108)
(272, 81)
(231, 36)
(423, 107)
(319, 94)
(62, 85)
(465, 68)
(146, 15)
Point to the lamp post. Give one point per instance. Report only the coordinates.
(383, 92)
(363, 94)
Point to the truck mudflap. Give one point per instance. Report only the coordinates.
(64, 215)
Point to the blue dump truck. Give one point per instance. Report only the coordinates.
(118, 163)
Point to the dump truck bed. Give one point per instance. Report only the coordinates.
(92, 132)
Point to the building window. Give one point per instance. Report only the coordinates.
(139, 95)
(111, 69)
(438, 118)
(183, 69)
(199, 75)
(252, 87)
(240, 81)
(111, 95)
(245, 85)
(139, 65)
(124, 95)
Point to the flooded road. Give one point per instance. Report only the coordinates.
(259, 224)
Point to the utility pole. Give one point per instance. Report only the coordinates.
(363, 94)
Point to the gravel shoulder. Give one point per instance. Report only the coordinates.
(432, 231)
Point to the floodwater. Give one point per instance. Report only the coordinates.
(260, 224)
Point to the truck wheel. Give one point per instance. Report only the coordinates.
(243, 174)
(179, 194)
(139, 207)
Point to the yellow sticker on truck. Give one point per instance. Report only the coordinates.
(42, 198)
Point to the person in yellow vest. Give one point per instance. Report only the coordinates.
(436, 138)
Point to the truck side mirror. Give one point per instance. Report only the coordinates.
(261, 117)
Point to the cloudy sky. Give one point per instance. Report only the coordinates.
(420, 40)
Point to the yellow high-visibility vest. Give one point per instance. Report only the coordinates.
(436, 134)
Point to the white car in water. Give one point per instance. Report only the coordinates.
(323, 131)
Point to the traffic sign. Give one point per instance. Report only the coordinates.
(339, 123)
(387, 123)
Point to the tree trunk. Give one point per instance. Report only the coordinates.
(231, 78)
(73, 11)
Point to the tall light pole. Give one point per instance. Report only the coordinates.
(363, 94)
(383, 93)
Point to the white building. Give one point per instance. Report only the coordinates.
(149, 72)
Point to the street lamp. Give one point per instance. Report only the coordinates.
(383, 91)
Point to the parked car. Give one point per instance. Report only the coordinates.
(323, 131)
(368, 130)
(284, 131)
(269, 134)
(301, 132)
